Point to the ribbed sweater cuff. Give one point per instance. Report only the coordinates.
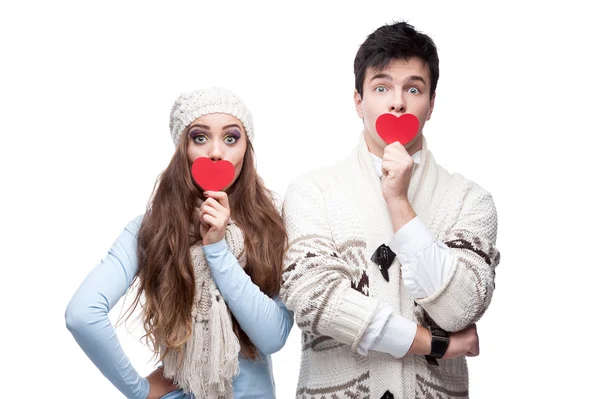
(453, 304)
(354, 313)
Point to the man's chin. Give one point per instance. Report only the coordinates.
(415, 144)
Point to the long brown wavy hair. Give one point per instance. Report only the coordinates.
(165, 271)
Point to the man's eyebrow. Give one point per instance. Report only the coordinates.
(382, 75)
(416, 77)
(389, 77)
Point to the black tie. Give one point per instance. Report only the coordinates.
(383, 257)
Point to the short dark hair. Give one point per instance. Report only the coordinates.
(395, 41)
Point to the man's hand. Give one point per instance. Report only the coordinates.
(397, 171)
(463, 343)
(159, 384)
(214, 215)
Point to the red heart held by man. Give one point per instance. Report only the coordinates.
(391, 128)
(212, 176)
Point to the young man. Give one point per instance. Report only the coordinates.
(393, 320)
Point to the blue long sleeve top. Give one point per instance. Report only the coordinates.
(265, 320)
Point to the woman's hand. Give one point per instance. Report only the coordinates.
(159, 384)
(214, 215)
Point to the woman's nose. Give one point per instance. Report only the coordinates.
(215, 153)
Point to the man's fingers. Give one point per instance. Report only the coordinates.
(388, 168)
(396, 150)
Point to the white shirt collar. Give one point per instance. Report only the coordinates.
(378, 161)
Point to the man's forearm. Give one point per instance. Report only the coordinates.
(422, 343)
(401, 212)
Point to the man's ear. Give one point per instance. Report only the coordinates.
(431, 104)
(358, 104)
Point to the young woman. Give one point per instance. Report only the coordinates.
(209, 267)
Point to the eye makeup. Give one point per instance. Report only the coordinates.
(193, 133)
(229, 133)
(236, 134)
(198, 136)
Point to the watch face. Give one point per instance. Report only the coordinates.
(439, 342)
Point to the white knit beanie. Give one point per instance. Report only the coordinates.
(192, 105)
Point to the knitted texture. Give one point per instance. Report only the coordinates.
(336, 217)
(192, 105)
(210, 360)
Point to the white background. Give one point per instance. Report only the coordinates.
(85, 94)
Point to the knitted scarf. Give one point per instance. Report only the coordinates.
(210, 356)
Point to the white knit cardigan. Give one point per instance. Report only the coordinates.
(336, 217)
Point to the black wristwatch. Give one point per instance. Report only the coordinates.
(440, 340)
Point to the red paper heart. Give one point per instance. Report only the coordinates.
(391, 128)
(212, 176)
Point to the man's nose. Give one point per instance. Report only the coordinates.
(398, 104)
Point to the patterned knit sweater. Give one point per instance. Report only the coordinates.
(336, 218)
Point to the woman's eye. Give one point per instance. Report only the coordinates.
(200, 139)
(230, 139)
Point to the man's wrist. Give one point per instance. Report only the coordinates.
(440, 340)
(401, 211)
